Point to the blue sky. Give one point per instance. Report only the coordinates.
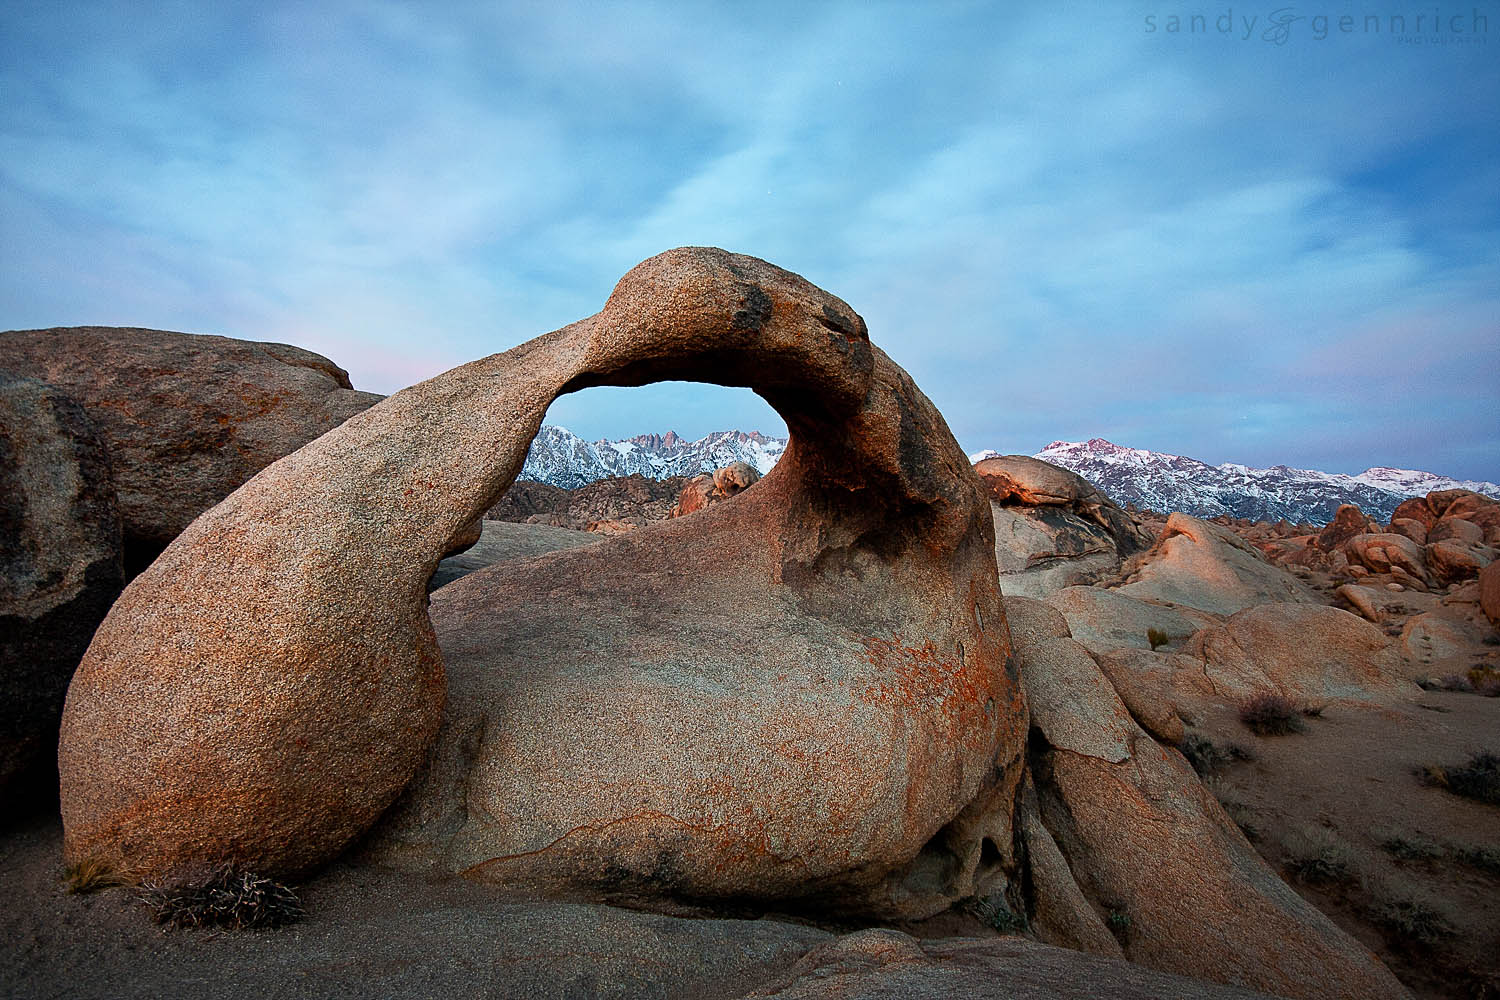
(1063, 223)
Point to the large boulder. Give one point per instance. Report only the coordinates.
(800, 693)
(1305, 652)
(1489, 592)
(711, 487)
(1451, 561)
(1152, 851)
(1347, 522)
(186, 418)
(1383, 552)
(1201, 565)
(60, 563)
(1053, 528)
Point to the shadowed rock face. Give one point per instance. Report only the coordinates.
(59, 562)
(829, 646)
(1053, 529)
(185, 418)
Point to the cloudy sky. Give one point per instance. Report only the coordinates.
(1064, 223)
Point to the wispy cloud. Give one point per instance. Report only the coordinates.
(1064, 225)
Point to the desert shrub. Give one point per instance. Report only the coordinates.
(1484, 679)
(1206, 756)
(1454, 682)
(227, 898)
(1410, 847)
(1270, 715)
(1479, 779)
(1317, 857)
(1486, 859)
(1157, 638)
(995, 911)
(93, 875)
(1119, 923)
(1313, 711)
(1412, 922)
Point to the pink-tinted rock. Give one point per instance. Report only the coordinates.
(1347, 522)
(1456, 529)
(1305, 652)
(1380, 553)
(1411, 528)
(1452, 561)
(1415, 509)
(1489, 593)
(1201, 565)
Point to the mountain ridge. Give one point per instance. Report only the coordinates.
(1148, 479)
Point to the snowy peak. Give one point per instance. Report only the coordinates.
(562, 458)
(1163, 482)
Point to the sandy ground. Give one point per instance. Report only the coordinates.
(1344, 788)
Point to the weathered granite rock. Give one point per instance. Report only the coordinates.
(1383, 552)
(59, 561)
(1200, 565)
(1411, 528)
(1103, 620)
(791, 694)
(721, 484)
(1452, 561)
(883, 964)
(1053, 529)
(186, 418)
(500, 541)
(1347, 522)
(1305, 652)
(1489, 592)
(1146, 843)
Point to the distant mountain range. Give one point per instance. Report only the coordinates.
(1166, 483)
(1148, 479)
(562, 458)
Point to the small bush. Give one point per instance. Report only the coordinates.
(1119, 923)
(994, 911)
(93, 875)
(1479, 779)
(1207, 757)
(1484, 679)
(1313, 711)
(1270, 715)
(1486, 859)
(1410, 847)
(1412, 922)
(1455, 682)
(1317, 857)
(1157, 638)
(228, 898)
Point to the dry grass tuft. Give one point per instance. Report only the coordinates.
(93, 875)
(228, 898)
(1479, 779)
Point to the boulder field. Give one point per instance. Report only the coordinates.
(807, 695)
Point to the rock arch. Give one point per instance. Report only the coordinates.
(270, 685)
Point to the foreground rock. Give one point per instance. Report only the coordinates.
(501, 541)
(1053, 529)
(59, 562)
(883, 963)
(186, 418)
(791, 696)
(1151, 851)
(1200, 565)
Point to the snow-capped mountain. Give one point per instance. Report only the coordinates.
(562, 458)
(1166, 483)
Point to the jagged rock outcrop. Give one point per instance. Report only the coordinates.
(1151, 850)
(1053, 529)
(60, 563)
(721, 484)
(185, 418)
(1204, 566)
(612, 725)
